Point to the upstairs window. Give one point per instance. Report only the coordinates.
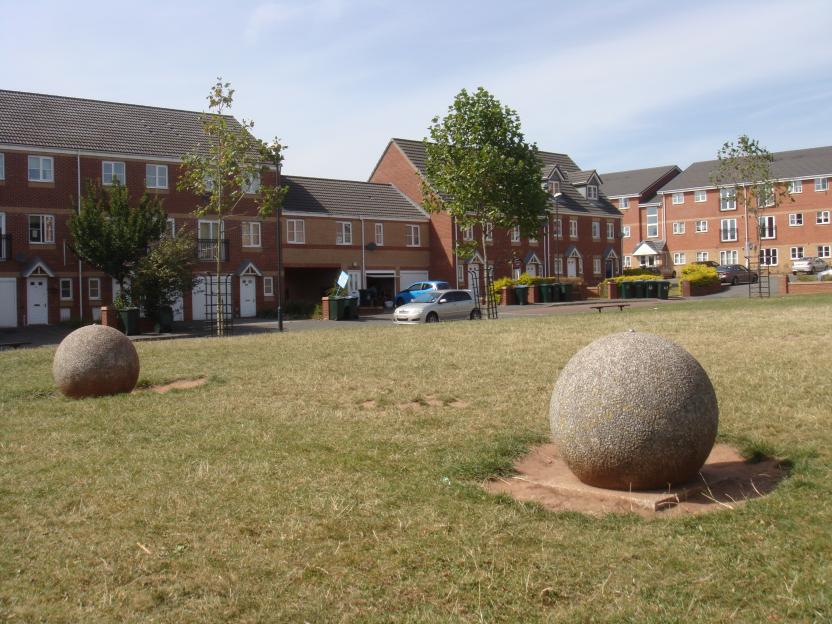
(678, 227)
(700, 196)
(412, 236)
(489, 232)
(156, 176)
(468, 233)
(379, 234)
(727, 199)
(795, 186)
(251, 234)
(821, 184)
(553, 186)
(624, 203)
(343, 233)
(41, 169)
(610, 230)
(113, 171)
(652, 222)
(701, 226)
(822, 217)
(295, 231)
(41, 229)
(596, 229)
(573, 228)
(252, 184)
(678, 198)
(515, 234)
(727, 230)
(591, 191)
(796, 219)
(625, 231)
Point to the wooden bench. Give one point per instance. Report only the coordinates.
(620, 307)
(12, 345)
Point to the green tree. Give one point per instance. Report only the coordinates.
(165, 273)
(744, 175)
(112, 234)
(225, 167)
(481, 170)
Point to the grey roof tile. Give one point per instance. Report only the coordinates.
(348, 198)
(633, 182)
(52, 121)
(802, 163)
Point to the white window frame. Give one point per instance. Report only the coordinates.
(795, 219)
(248, 230)
(379, 234)
(107, 177)
(727, 199)
(701, 226)
(628, 262)
(625, 231)
(558, 228)
(794, 186)
(45, 174)
(610, 230)
(559, 265)
(824, 251)
(2, 166)
(63, 282)
(468, 233)
(413, 235)
(573, 229)
(770, 227)
(769, 256)
(515, 234)
(591, 191)
(152, 179)
(678, 227)
(268, 286)
(489, 232)
(295, 231)
(679, 258)
(596, 230)
(678, 198)
(821, 185)
(729, 256)
(596, 265)
(822, 217)
(44, 230)
(343, 232)
(652, 227)
(700, 196)
(624, 203)
(251, 184)
(94, 294)
(723, 230)
(796, 253)
(701, 256)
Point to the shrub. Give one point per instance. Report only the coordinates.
(642, 271)
(699, 275)
(633, 277)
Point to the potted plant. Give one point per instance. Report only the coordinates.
(127, 312)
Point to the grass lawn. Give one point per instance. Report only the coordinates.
(273, 493)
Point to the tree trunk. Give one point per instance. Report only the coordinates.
(220, 312)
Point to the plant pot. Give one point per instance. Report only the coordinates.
(129, 320)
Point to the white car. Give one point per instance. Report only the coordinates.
(441, 305)
(808, 264)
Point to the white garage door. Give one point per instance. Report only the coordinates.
(406, 278)
(8, 302)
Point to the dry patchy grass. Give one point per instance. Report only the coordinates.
(333, 476)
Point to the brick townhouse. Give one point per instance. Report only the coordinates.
(370, 230)
(50, 147)
(581, 237)
(634, 192)
(702, 222)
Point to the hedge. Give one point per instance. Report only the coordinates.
(699, 275)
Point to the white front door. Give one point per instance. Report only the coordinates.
(571, 267)
(8, 302)
(37, 301)
(198, 300)
(248, 296)
(354, 284)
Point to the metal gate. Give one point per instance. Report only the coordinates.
(219, 305)
(484, 281)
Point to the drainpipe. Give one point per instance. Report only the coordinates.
(279, 236)
(80, 266)
(363, 256)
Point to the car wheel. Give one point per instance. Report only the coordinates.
(432, 318)
(399, 302)
(734, 282)
(476, 314)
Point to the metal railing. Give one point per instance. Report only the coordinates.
(206, 249)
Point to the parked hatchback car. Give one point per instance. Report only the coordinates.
(419, 288)
(440, 305)
(735, 274)
(808, 264)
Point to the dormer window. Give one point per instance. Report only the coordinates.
(554, 187)
(591, 191)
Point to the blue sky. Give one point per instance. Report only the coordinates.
(617, 85)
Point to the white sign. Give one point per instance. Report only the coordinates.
(343, 279)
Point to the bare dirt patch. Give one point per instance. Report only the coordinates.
(368, 404)
(179, 384)
(726, 481)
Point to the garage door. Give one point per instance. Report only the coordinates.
(406, 278)
(8, 302)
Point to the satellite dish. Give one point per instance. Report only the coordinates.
(371, 246)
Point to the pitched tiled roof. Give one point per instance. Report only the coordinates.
(571, 199)
(52, 121)
(348, 198)
(802, 163)
(633, 182)
(581, 177)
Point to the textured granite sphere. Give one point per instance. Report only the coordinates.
(634, 411)
(95, 360)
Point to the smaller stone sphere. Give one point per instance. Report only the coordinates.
(95, 360)
(634, 411)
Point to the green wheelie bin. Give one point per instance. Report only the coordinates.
(651, 289)
(566, 292)
(626, 289)
(638, 289)
(546, 293)
(664, 289)
(521, 293)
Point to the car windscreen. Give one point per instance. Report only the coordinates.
(426, 298)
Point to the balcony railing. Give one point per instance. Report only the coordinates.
(5, 247)
(206, 249)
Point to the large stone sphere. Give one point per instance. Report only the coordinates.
(634, 411)
(95, 360)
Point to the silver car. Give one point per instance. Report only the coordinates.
(441, 305)
(808, 264)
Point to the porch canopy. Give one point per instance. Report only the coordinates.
(650, 248)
